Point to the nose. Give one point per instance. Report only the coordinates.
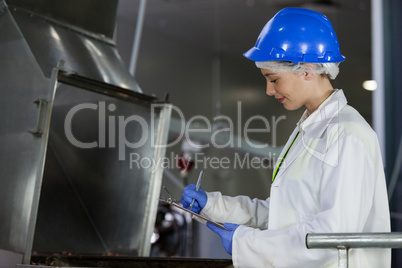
(270, 90)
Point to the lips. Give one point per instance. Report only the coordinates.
(281, 100)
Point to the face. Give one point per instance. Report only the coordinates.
(287, 88)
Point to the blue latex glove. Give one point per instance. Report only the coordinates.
(226, 236)
(200, 198)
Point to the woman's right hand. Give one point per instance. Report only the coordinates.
(189, 193)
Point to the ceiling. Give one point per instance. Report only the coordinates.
(218, 24)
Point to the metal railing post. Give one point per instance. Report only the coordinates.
(343, 257)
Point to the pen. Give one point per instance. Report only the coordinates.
(197, 187)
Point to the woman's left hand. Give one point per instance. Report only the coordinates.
(226, 236)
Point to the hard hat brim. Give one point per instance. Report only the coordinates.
(255, 54)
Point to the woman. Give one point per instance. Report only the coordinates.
(329, 177)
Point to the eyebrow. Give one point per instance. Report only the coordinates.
(269, 74)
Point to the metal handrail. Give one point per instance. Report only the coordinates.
(344, 241)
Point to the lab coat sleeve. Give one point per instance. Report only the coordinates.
(239, 209)
(349, 182)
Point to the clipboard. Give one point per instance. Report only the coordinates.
(194, 214)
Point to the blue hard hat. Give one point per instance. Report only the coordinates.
(297, 35)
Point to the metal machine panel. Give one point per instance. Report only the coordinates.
(79, 176)
(84, 52)
(25, 108)
(102, 18)
(100, 186)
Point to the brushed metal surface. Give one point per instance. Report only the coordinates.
(74, 199)
(93, 201)
(22, 153)
(84, 52)
(92, 15)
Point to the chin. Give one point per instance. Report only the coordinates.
(291, 107)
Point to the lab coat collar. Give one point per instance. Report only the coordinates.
(324, 114)
(313, 126)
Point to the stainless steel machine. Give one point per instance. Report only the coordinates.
(72, 119)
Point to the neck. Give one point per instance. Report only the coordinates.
(319, 94)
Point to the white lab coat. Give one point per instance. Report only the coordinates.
(332, 181)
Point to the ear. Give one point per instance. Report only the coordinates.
(309, 76)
